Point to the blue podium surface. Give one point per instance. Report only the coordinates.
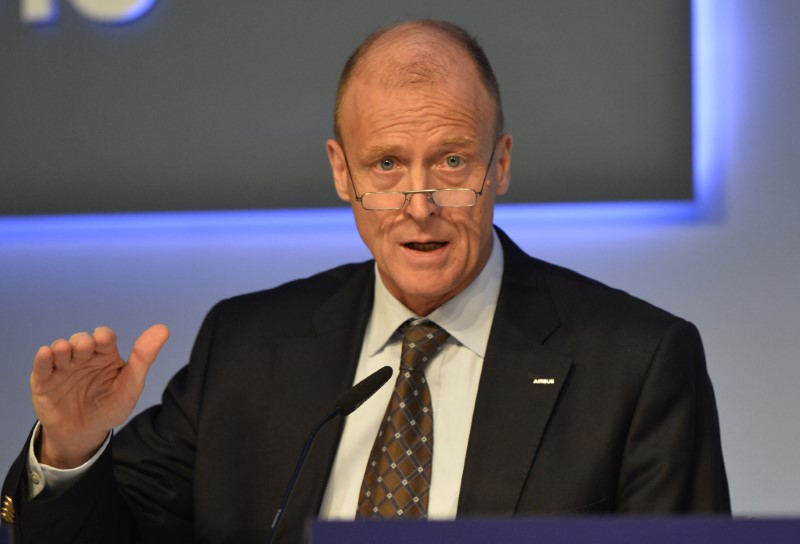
(557, 531)
(597, 530)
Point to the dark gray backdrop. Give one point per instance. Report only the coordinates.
(218, 105)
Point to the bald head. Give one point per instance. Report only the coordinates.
(416, 53)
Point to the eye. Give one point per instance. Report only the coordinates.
(454, 161)
(386, 164)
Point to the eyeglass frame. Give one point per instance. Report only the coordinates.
(427, 192)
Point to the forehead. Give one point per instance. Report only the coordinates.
(416, 83)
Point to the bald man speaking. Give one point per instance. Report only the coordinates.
(519, 388)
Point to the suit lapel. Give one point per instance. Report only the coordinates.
(511, 411)
(519, 386)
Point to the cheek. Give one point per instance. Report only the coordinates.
(484, 217)
(476, 233)
(473, 226)
(374, 229)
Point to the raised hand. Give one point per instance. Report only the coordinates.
(82, 388)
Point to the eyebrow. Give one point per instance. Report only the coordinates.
(459, 141)
(377, 151)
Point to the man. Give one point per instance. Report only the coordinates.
(551, 393)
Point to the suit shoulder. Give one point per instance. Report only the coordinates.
(603, 327)
(311, 288)
(580, 295)
(574, 295)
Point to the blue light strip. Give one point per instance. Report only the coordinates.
(171, 227)
(707, 98)
(704, 207)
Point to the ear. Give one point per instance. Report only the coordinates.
(339, 169)
(502, 177)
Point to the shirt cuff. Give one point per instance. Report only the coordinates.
(55, 480)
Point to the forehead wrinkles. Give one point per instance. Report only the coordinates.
(422, 116)
(417, 98)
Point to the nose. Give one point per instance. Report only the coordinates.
(420, 205)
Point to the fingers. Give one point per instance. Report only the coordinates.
(83, 347)
(79, 348)
(105, 340)
(146, 349)
(62, 353)
(43, 364)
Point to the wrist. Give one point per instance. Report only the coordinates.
(67, 452)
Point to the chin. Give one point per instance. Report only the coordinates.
(425, 289)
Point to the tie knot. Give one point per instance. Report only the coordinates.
(421, 341)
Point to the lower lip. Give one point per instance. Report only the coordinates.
(433, 254)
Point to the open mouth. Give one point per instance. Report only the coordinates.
(425, 247)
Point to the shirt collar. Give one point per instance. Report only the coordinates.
(467, 316)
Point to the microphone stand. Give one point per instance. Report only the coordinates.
(347, 402)
(333, 414)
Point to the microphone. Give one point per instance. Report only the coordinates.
(346, 404)
(357, 395)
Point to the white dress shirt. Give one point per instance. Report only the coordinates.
(55, 480)
(453, 377)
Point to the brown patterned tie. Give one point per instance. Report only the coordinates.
(398, 475)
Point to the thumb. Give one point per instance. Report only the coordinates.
(146, 349)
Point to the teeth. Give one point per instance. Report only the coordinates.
(429, 246)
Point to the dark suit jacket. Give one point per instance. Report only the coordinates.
(590, 401)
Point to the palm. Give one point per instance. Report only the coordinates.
(82, 387)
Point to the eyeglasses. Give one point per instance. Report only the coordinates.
(453, 197)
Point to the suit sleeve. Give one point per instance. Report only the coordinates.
(141, 487)
(90, 511)
(672, 460)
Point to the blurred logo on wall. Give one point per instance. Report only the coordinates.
(102, 11)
